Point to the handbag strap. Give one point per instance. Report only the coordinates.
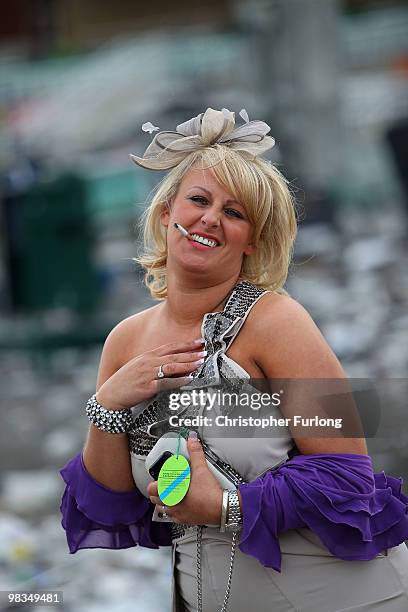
(231, 567)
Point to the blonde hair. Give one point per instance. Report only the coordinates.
(268, 201)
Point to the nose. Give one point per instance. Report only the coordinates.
(211, 217)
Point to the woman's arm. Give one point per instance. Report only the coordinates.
(289, 346)
(101, 506)
(330, 487)
(106, 456)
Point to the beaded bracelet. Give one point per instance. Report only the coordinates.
(111, 421)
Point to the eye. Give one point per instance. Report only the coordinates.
(198, 199)
(230, 212)
(234, 212)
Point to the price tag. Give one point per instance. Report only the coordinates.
(174, 480)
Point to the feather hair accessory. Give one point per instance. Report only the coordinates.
(168, 149)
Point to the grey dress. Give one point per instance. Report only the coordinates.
(311, 578)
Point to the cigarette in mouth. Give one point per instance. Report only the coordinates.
(183, 231)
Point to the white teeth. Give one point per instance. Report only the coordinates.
(206, 241)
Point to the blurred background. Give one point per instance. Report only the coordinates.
(77, 80)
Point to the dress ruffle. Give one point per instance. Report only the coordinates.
(355, 512)
(94, 516)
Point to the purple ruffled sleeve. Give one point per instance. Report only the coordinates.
(355, 512)
(94, 516)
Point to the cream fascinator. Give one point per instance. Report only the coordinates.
(168, 149)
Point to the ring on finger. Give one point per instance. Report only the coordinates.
(160, 373)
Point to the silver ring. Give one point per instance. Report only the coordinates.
(160, 373)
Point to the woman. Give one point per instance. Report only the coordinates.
(224, 317)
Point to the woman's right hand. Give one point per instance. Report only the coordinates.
(137, 380)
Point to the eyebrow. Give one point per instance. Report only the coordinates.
(210, 194)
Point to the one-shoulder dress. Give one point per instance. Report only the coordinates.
(321, 533)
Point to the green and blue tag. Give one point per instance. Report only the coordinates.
(174, 479)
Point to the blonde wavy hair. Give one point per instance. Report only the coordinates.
(268, 201)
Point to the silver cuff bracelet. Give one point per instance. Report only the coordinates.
(224, 509)
(234, 516)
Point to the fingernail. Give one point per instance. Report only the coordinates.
(203, 353)
(199, 361)
(199, 341)
(193, 435)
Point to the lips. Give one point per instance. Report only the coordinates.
(210, 236)
(211, 241)
(201, 247)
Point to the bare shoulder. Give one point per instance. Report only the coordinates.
(134, 321)
(121, 339)
(288, 343)
(274, 310)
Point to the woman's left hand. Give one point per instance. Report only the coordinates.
(202, 504)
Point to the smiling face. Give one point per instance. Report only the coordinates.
(207, 210)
